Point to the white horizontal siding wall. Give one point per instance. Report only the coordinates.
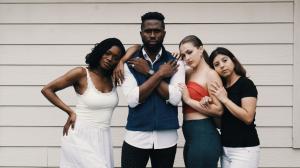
(296, 84)
(42, 39)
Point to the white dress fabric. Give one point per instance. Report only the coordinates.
(89, 144)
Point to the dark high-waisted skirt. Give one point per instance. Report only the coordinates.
(202, 147)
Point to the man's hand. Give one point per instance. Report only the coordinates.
(168, 69)
(140, 65)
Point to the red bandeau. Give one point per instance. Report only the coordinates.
(197, 92)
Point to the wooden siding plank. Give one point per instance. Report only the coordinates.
(101, 13)
(52, 116)
(41, 75)
(75, 54)
(296, 82)
(129, 33)
(131, 1)
(51, 136)
(17, 95)
(23, 156)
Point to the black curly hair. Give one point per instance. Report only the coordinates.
(92, 59)
(151, 16)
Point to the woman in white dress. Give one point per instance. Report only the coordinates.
(88, 143)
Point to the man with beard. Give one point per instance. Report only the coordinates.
(151, 87)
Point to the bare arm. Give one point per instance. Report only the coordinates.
(216, 106)
(49, 91)
(118, 74)
(245, 113)
(210, 106)
(163, 90)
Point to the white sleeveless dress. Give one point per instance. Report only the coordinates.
(89, 145)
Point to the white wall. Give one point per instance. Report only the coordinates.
(42, 39)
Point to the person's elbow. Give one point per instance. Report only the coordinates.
(175, 101)
(248, 120)
(132, 101)
(132, 105)
(45, 90)
(174, 96)
(219, 111)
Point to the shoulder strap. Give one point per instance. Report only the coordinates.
(88, 78)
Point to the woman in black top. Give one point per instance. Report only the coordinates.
(239, 97)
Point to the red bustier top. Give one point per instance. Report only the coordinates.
(197, 92)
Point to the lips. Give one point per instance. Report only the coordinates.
(189, 62)
(224, 71)
(152, 40)
(107, 65)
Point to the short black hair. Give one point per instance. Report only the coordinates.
(153, 16)
(92, 59)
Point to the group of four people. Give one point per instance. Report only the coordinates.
(214, 89)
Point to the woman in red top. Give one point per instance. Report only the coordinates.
(203, 146)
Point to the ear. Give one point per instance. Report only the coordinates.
(201, 49)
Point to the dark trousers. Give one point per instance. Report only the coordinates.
(133, 157)
(202, 147)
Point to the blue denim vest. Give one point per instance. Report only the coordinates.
(155, 113)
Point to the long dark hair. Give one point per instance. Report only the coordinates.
(238, 68)
(196, 43)
(92, 59)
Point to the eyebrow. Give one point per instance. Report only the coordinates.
(149, 29)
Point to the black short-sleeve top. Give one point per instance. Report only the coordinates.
(234, 132)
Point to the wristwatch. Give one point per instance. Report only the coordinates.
(151, 72)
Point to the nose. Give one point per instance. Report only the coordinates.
(152, 34)
(109, 58)
(221, 65)
(187, 58)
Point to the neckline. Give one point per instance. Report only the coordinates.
(93, 85)
(234, 83)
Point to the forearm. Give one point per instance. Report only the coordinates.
(149, 86)
(238, 111)
(163, 90)
(129, 53)
(55, 100)
(210, 110)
